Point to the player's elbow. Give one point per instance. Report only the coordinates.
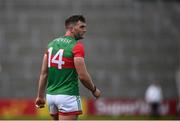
(82, 76)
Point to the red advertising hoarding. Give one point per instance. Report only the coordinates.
(10, 109)
(17, 108)
(126, 107)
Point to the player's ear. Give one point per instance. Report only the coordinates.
(70, 28)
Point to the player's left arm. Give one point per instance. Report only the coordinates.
(82, 72)
(40, 101)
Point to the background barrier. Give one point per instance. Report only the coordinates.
(25, 108)
(127, 107)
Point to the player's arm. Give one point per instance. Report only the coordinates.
(84, 76)
(80, 66)
(40, 101)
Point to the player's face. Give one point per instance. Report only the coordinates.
(79, 30)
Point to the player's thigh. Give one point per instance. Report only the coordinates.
(53, 109)
(70, 105)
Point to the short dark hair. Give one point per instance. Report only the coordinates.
(74, 19)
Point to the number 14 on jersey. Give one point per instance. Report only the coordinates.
(56, 59)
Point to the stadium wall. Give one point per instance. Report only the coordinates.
(129, 43)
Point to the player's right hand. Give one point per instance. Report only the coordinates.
(97, 93)
(40, 102)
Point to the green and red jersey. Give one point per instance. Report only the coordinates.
(62, 75)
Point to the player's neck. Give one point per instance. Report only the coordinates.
(68, 33)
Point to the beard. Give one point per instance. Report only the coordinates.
(78, 37)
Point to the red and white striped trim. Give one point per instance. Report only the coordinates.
(70, 113)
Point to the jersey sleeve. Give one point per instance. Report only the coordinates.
(78, 50)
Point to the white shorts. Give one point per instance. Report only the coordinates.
(64, 104)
